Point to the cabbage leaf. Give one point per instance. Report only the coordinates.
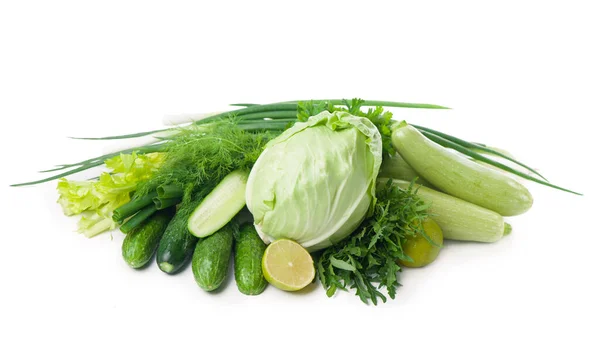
(315, 182)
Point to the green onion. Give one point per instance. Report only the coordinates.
(266, 125)
(477, 147)
(132, 207)
(124, 136)
(291, 114)
(97, 161)
(466, 151)
(162, 203)
(251, 109)
(169, 191)
(378, 103)
(243, 105)
(61, 175)
(138, 218)
(280, 116)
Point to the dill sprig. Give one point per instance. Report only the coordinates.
(367, 260)
(205, 154)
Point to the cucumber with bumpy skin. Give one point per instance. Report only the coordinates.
(140, 244)
(458, 176)
(248, 253)
(177, 243)
(220, 205)
(458, 219)
(210, 262)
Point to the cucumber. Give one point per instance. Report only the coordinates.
(458, 176)
(220, 205)
(177, 243)
(396, 167)
(210, 262)
(248, 253)
(141, 243)
(459, 219)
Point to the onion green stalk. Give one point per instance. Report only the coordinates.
(169, 191)
(375, 103)
(277, 117)
(162, 203)
(132, 207)
(478, 147)
(138, 218)
(477, 156)
(285, 110)
(90, 163)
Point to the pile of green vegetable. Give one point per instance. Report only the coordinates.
(364, 194)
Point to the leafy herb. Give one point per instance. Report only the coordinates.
(367, 260)
(202, 154)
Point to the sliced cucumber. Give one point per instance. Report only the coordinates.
(220, 205)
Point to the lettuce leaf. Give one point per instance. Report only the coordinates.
(97, 199)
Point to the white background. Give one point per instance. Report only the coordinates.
(521, 75)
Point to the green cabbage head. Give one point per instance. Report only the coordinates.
(315, 182)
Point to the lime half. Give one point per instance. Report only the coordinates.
(287, 265)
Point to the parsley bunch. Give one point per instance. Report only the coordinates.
(367, 260)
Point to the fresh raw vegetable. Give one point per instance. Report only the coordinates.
(424, 248)
(316, 196)
(162, 203)
(494, 157)
(141, 216)
(479, 155)
(459, 176)
(479, 148)
(313, 178)
(396, 167)
(458, 219)
(177, 243)
(367, 260)
(169, 191)
(210, 262)
(220, 206)
(287, 265)
(96, 200)
(132, 207)
(140, 244)
(248, 253)
(201, 155)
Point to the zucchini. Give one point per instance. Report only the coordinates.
(459, 219)
(457, 175)
(248, 253)
(141, 243)
(220, 205)
(210, 262)
(396, 167)
(177, 243)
